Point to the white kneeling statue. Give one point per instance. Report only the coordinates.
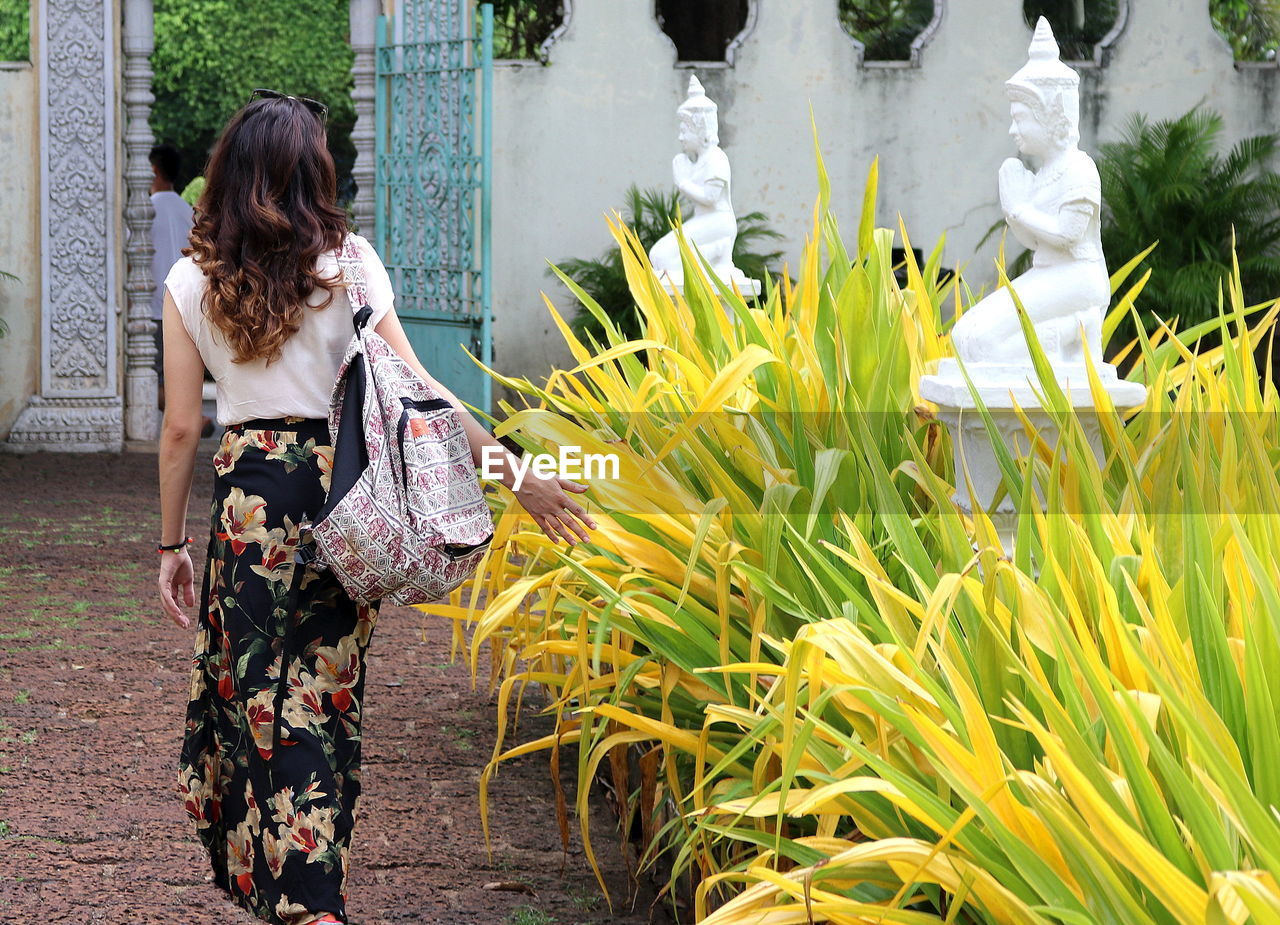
(701, 172)
(1056, 212)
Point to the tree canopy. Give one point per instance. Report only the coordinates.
(15, 30)
(211, 54)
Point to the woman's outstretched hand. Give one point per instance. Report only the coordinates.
(552, 509)
(177, 581)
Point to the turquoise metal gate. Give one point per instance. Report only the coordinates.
(434, 110)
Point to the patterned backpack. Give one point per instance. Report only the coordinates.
(405, 520)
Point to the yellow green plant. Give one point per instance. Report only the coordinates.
(844, 700)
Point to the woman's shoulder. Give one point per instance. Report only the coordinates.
(381, 293)
(361, 243)
(185, 276)
(362, 247)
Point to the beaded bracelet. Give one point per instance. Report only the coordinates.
(176, 546)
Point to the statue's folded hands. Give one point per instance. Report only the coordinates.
(1042, 232)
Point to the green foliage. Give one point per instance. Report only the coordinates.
(15, 30)
(1165, 181)
(859, 704)
(886, 27)
(191, 192)
(1251, 26)
(1077, 25)
(530, 915)
(521, 26)
(210, 54)
(651, 213)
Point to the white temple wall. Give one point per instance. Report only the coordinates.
(19, 237)
(572, 135)
(569, 138)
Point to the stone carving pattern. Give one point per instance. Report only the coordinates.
(79, 406)
(363, 15)
(141, 382)
(79, 233)
(88, 425)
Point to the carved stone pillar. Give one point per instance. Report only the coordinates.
(140, 379)
(363, 21)
(78, 406)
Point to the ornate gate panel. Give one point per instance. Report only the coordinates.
(434, 79)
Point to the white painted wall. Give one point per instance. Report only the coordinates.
(19, 236)
(571, 135)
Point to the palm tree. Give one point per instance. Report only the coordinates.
(1166, 181)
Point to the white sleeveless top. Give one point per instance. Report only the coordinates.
(300, 382)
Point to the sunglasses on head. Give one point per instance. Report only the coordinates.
(320, 109)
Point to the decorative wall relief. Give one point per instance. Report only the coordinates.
(78, 407)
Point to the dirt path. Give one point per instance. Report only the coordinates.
(93, 685)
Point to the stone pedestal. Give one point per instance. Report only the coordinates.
(1003, 390)
(746, 285)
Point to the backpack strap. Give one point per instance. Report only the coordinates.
(353, 278)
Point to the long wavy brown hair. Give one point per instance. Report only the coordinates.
(268, 210)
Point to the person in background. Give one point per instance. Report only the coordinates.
(170, 233)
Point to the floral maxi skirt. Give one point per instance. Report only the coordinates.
(271, 776)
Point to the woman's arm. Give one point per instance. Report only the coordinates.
(179, 437)
(558, 515)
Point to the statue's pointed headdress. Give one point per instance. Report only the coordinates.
(697, 100)
(1044, 71)
(1047, 85)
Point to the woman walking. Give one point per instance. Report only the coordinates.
(260, 303)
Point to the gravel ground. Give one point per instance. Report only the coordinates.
(93, 686)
